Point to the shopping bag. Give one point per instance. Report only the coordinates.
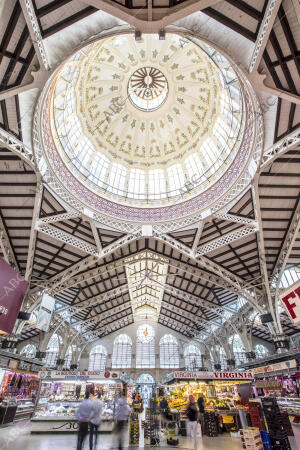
(199, 431)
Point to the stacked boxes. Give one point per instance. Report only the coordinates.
(286, 423)
(210, 421)
(134, 430)
(251, 438)
(275, 424)
(256, 413)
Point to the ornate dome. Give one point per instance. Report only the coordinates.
(146, 124)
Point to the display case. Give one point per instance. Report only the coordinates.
(59, 417)
(25, 409)
(291, 406)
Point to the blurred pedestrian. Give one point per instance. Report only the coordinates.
(95, 420)
(164, 412)
(122, 413)
(193, 418)
(84, 414)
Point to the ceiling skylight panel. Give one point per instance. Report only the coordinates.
(194, 167)
(137, 183)
(117, 178)
(176, 178)
(156, 183)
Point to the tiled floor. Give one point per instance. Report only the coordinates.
(19, 438)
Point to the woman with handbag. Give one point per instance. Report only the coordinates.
(193, 425)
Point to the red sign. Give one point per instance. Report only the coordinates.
(291, 301)
(13, 288)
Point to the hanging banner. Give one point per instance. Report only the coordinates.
(283, 365)
(291, 302)
(45, 313)
(13, 288)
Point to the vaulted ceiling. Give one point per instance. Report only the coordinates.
(54, 248)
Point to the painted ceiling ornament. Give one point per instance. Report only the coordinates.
(148, 130)
(147, 88)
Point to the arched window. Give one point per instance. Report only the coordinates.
(145, 378)
(261, 351)
(121, 357)
(238, 349)
(29, 351)
(192, 357)
(68, 358)
(169, 352)
(145, 347)
(223, 359)
(97, 358)
(52, 351)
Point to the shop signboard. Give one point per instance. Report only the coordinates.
(23, 365)
(35, 368)
(45, 313)
(13, 288)
(4, 361)
(77, 375)
(213, 375)
(13, 364)
(283, 365)
(291, 302)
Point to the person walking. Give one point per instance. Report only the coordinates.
(83, 414)
(122, 413)
(193, 418)
(164, 410)
(201, 409)
(95, 420)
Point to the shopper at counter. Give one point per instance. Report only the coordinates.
(84, 413)
(95, 420)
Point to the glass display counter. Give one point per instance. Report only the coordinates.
(292, 407)
(59, 417)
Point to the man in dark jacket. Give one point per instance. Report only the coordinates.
(164, 410)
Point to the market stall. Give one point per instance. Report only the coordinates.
(19, 388)
(61, 393)
(225, 396)
(281, 381)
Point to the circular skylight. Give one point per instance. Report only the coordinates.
(147, 88)
(175, 134)
(129, 127)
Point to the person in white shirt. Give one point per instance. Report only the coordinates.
(95, 420)
(122, 413)
(84, 413)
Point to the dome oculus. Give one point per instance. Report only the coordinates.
(147, 88)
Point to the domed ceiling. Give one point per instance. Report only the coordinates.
(146, 124)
